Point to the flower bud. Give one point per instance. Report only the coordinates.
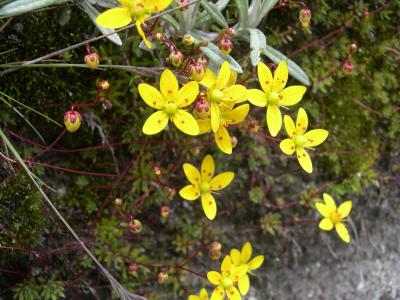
(215, 246)
(159, 36)
(253, 125)
(196, 151)
(347, 67)
(92, 60)
(72, 120)
(188, 39)
(157, 170)
(305, 17)
(202, 61)
(225, 45)
(133, 267)
(182, 3)
(196, 71)
(162, 277)
(135, 226)
(214, 254)
(118, 202)
(164, 211)
(353, 48)
(176, 58)
(171, 193)
(104, 85)
(234, 141)
(202, 109)
(230, 31)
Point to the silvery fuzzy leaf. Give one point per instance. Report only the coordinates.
(243, 8)
(215, 14)
(258, 41)
(215, 55)
(205, 16)
(19, 7)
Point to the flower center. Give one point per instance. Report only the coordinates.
(216, 95)
(204, 187)
(300, 140)
(227, 283)
(335, 217)
(170, 108)
(274, 98)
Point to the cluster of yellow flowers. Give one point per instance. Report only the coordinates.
(233, 281)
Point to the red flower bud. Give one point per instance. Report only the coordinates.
(135, 226)
(347, 67)
(305, 17)
(104, 85)
(202, 108)
(157, 170)
(162, 277)
(92, 60)
(196, 71)
(176, 58)
(225, 45)
(133, 267)
(164, 211)
(72, 120)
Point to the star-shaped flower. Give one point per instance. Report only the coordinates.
(334, 217)
(136, 10)
(274, 94)
(204, 183)
(299, 139)
(170, 103)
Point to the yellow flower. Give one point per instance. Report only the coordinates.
(202, 296)
(299, 140)
(169, 104)
(136, 10)
(274, 94)
(226, 280)
(334, 217)
(243, 259)
(228, 117)
(203, 184)
(222, 91)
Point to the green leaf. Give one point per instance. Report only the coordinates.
(258, 41)
(93, 13)
(294, 69)
(171, 21)
(216, 56)
(19, 7)
(205, 16)
(243, 9)
(215, 14)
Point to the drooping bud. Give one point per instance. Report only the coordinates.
(157, 170)
(104, 85)
(118, 202)
(162, 277)
(188, 39)
(196, 71)
(234, 141)
(133, 268)
(176, 58)
(216, 246)
(159, 36)
(347, 67)
(353, 48)
(164, 211)
(202, 61)
(72, 120)
(214, 251)
(305, 17)
(196, 151)
(135, 226)
(225, 45)
(202, 108)
(92, 60)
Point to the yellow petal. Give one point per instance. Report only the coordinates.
(315, 137)
(160, 5)
(287, 146)
(226, 264)
(194, 297)
(190, 192)
(215, 116)
(329, 202)
(345, 208)
(256, 262)
(235, 93)
(114, 18)
(221, 181)
(232, 78)
(245, 254)
(218, 293)
(187, 94)
(256, 97)
(304, 160)
(203, 294)
(204, 125)
(139, 21)
(301, 121)
(342, 232)
(235, 256)
(239, 272)
(233, 294)
(326, 224)
(223, 75)
(209, 79)
(185, 122)
(292, 95)
(209, 205)
(192, 174)
(237, 115)
(244, 285)
(155, 123)
(207, 168)
(169, 85)
(289, 126)
(265, 77)
(214, 278)
(323, 209)
(280, 77)
(223, 140)
(151, 96)
(274, 119)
